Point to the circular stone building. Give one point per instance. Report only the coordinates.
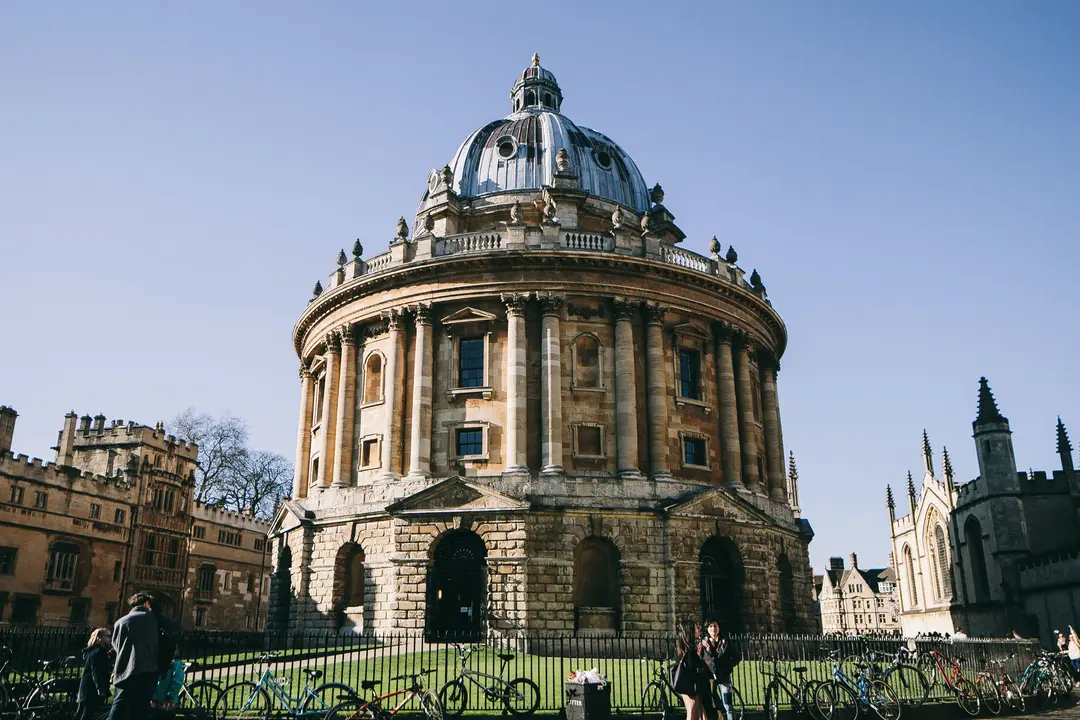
(535, 411)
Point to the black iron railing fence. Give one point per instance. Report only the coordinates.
(628, 662)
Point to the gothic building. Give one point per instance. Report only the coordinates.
(993, 555)
(536, 411)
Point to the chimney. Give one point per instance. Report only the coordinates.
(7, 427)
(836, 563)
(854, 561)
(84, 424)
(99, 424)
(65, 446)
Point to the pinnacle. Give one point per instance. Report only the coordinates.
(988, 410)
(889, 502)
(793, 472)
(910, 485)
(946, 463)
(1064, 447)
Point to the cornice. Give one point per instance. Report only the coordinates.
(539, 262)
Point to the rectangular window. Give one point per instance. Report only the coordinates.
(80, 611)
(205, 582)
(320, 390)
(199, 532)
(7, 560)
(41, 500)
(250, 621)
(315, 471)
(95, 511)
(369, 452)
(149, 546)
(470, 441)
(228, 581)
(118, 516)
(16, 495)
(172, 557)
(471, 362)
(689, 374)
(260, 544)
(694, 451)
(251, 583)
(25, 609)
(588, 439)
(110, 613)
(200, 617)
(118, 567)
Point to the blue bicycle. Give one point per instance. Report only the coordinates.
(844, 698)
(248, 700)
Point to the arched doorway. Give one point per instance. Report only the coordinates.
(980, 579)
(457, 588)
(283, 589)
(788, 617)
(349, 587)
(721, 583)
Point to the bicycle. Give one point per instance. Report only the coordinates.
(372, 709)
(1042, 681)
(246, 699)
(520, 696)
(657, 697)
(966, 693)
(903, 676)
(199, 695)
(799, 696)
(49, 698)
(843, 697)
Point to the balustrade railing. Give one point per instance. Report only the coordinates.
(684, 258)
(585, 241)
(473, 242)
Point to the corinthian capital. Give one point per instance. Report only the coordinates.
(333, 341)
(654, 313)
(305, 370)
(346, 335)
(394, 318)
(724, 332)
(624, 308)
(515, 303)
(422, 313)
(768, 360)
(550, 304)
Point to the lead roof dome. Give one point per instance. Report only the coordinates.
(518, 152)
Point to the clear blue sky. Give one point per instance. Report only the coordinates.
(174, 177)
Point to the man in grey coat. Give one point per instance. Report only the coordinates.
(135, 638)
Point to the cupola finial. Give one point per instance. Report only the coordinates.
(536, 60)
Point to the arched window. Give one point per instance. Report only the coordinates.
(596, 585)
(977, 559)
(63, 561)
(373, 378)
(204, 588)
(909, 568)
(530, 98)
(788, 617)
(547, 99)
(586, 361)
(721, 583)
(941, 547)
(352, 590)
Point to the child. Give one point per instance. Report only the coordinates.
(94, 683)
(167, 695)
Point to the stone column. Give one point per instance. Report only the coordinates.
(551, 383)
(774, 458)
(626, 426)
(657, 391)
(729, 411)
(346, 401)
(329, 409)
(391, 404)
(420, 442)
(303, 435)
(516, 460)
(744, 395)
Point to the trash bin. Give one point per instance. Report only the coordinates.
(588, 701)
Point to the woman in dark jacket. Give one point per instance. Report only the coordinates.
(94, 684)
(721, 658)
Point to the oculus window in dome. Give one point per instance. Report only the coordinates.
(519, 151)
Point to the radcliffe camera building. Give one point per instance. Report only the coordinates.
(993, 555)
(115, 515)
(535, 410)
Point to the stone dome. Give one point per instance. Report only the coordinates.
(519, 151)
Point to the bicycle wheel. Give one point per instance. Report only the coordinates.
(737, 707)
(199, 695)
(967, 696)
(521, 696)
(988, 691)
(327, 696)
(432, 707)
(807, 699)
(1012, 696)
(836, 702)
(654, 700)
(41, 704)
(883, 700)
(350, 710)
(242, 701)
(454, 697)
(909, 684)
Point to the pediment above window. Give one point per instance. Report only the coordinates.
(467, 316)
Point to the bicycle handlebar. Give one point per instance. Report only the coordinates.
(406, 676)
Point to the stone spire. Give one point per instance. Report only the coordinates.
(1064, 447)
(988, 409)
(793, 485)
(911, 492)
(927, 454)
(890, 503)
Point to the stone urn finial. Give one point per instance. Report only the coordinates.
(657, 194)
(617, 218)
(357, 249)
(402, 229)
(447, 176)
(714, 246)
(732, 256)
(318, 289)
(342, 258)
(562, 160)
(755, 280)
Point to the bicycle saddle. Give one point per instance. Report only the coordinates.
(800, 669)
(313, 674)
(369, 684)
(506, 656)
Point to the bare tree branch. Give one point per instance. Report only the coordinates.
(221, 441)
(259, 480)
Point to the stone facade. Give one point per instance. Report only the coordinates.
(112, 516)
(540, 413)
(995, 554)
(857, 601)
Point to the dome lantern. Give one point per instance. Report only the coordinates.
(535, 88)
